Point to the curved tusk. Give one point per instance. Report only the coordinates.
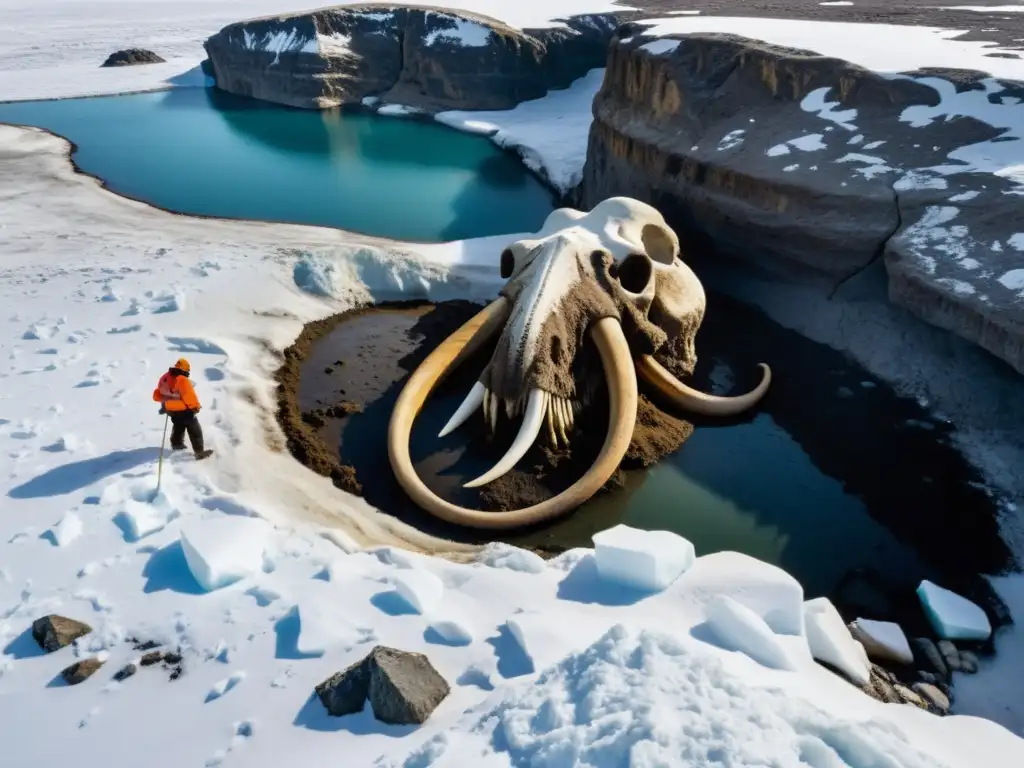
(622, 404)
(654, 373)
(528, 431)
(473, 401)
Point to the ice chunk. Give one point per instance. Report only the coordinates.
(647, 560)
(67, 529)
(500, 555)
(420, 589)
(953, 617)
(222, 550)
(453, 631)
(740, 629)
(883, 640)
(831, 642)
(765, 589)
(138, 520)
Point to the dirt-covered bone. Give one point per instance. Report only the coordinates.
(614, 275)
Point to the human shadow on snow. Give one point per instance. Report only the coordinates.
(78, 474)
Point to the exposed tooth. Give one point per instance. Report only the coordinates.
(473, 400)
(560, 423)
(551, 428)
(566, 417)
(510, 408)
(495, 405)
(487, 406)
(528, 431)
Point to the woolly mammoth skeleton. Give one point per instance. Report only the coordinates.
(613, 274)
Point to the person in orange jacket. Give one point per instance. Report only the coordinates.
(178, 400)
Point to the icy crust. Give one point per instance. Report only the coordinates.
(617, 702)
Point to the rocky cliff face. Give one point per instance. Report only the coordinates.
(782, 156)
(427, 58)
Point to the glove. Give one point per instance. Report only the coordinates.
(162, 410)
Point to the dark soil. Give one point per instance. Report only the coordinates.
(362, 372)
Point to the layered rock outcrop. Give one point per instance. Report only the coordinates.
(428, 58)
(783, 156)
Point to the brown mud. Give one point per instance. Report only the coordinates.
(351, 367)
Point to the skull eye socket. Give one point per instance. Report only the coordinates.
(634, 272)
(508, 263)
(658, 244)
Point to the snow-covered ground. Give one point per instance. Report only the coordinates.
(99, 294)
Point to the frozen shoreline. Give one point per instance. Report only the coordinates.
(93, 241)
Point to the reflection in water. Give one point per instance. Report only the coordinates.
(204, 151)
(835, 477)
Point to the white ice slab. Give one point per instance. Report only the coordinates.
(953, 617)
(222, 550)
(420, 589)
(740, 629)
(647, 560)
(883, 640)
(831, 642)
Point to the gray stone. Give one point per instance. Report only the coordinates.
(131, 57)
(950, 654)
(929, 657)
(935, 697)
(907, 696)
(125, 672)
(968, 662)
(80, 671)
(53, 632)
(410, 56)
(404, 687)
(712, 133)
(927, 677)
(345, 692)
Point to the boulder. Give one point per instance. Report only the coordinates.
(131, 57)
(53, 632)
(935, 697)
(423, 57)
(928, 657)
(403, 687)
(800, 162)
(125, 672)
(80, 671)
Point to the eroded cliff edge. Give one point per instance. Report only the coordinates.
(423, 57)
(787, 157)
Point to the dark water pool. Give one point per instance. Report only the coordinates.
(852, 488)
(204, 151)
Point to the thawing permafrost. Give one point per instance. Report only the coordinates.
(651, 699)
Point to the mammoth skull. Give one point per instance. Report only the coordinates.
(614, 274)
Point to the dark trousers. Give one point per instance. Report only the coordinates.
(181, 423)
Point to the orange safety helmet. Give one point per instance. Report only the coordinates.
(182, 365)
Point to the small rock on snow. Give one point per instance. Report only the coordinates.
(125, 672)
(420, 589)
(953, 617)
(740, 629)
(222, 550)
(403, 687)
(831, 642)
(151, 658)
(883, 640)
(81, 671)
(646, 560)
(53, 632)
